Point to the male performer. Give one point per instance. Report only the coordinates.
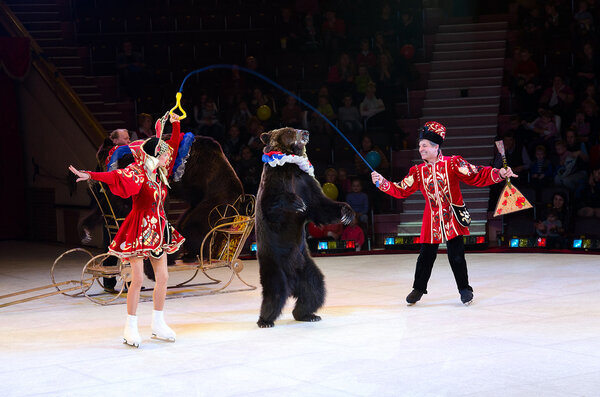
(438, 180)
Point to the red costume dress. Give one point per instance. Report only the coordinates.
(145, 231)
(439, 184)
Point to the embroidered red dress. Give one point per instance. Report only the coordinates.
(439, 184)
(145, 231)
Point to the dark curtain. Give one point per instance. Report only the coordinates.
(15, 58)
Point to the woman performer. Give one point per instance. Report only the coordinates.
(145, 232)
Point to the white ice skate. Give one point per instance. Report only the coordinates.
(160, 330)
(131, 336)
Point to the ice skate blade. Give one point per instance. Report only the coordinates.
(136, 345)
(410, 304)
(468, 303)
(154, 336)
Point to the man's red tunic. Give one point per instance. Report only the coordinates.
(439, 184)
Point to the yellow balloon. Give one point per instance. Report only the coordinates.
(330, 190)
(263, 112)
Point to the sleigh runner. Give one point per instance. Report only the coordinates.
(230, 227)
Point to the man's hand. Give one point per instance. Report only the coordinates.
(377, 178)
(174, 117)
(507, 173)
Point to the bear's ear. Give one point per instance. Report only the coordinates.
(265, 137)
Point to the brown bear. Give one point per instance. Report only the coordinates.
(288, 197)
(209, 180)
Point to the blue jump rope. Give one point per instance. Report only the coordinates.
(276, 85)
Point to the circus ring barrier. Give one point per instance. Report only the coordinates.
(231, 225)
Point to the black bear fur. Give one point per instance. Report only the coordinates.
(287, 199)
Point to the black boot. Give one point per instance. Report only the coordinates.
(466, 296)
(414, 297)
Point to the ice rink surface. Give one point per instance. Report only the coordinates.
(533, 329)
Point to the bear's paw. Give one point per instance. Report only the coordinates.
(311, 318)
(347, 214)
(264, 323)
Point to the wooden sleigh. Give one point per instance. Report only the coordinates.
(231, 225)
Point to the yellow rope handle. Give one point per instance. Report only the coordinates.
(178, 106)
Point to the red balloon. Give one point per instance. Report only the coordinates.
(407, 51)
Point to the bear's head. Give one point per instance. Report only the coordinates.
(286, 140)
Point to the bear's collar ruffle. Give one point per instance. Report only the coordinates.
(278, 158)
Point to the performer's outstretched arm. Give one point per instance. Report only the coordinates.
(401, 189)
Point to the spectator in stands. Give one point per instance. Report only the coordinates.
(332, 231)
(590, 109)
(570, 171)
(235, 87)
(344, 182)
(546, 128)
(532, 27)
(309, 34)
(331, 176)
(349, 118)
(286, 30)
(556, 25)
(381, 46)
(385, 78)
(371, 105)
(334, 32)
(259, 98)
(516, 155)
(581, 126)
(560, 209)
(144, 130)
(409, 32)
(386, 23)
(341, 75)
(366, 56)
(362, 170)
(241, 116)
(317, 123)
(590, 203)
(362, 80)
(576, 148)
(526, 70)
(291, 113)
(255, 129)
(207, 118)
(359, 201)
(364, 173)
(232, 146)
(523, 136)
(307, 7)
(252, 64)
(541, 172)
(559, 97)
(131, 69)
(249, 169)
(587, 67)
(590, 93)
(528, 101)
(584, 21)
(552, 229)
(353, 232)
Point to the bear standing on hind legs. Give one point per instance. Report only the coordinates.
(288, 197)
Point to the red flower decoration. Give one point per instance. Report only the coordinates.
(506, 193)
(504, 203)
(513, 190)
(499, 210)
